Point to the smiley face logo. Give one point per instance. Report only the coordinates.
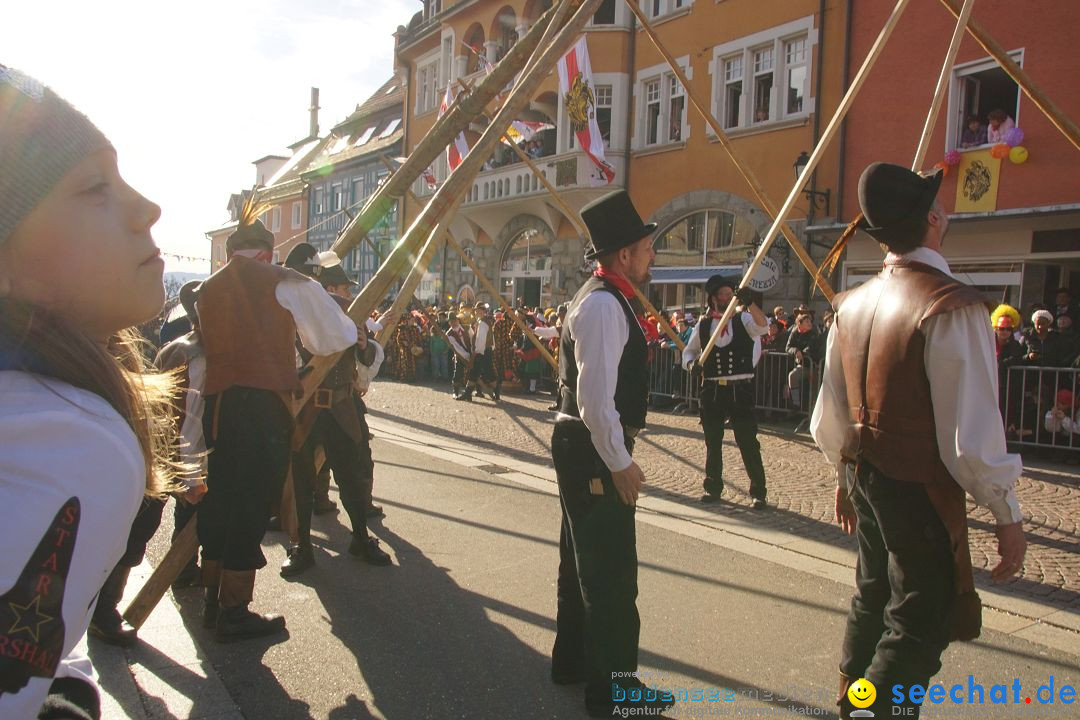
(862, 693)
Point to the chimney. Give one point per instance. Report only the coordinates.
(313, 126)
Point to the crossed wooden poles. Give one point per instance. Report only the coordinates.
(533, 56)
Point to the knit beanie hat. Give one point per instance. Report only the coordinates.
(42, 137)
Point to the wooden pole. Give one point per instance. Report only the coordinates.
(744, 168)
(408, 288)
(815, 158)
(574, 217)
(180, 553)
(1053, 113)
(942, 85)
(490, 287)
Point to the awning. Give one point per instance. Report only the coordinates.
(691, 275)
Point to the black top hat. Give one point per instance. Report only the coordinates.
(334, 275)
(613, 224)
(894, 200)
(716, 282)
(481, 305)
(250, 236)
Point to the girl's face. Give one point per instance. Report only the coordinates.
(85, 252)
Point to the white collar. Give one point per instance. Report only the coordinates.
(926, 256)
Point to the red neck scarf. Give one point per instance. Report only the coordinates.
(623, 286)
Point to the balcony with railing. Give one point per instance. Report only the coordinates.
(567, 172)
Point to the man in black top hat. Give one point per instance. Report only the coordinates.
(727, 390)
(603, 383)
(908, 413)
(482, 370)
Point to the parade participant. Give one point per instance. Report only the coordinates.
(333, 421)
(481, 370)
(908, 414)
(406, 348)
(803, 345)
(727, 391)
(183, 357)
(505, 334)
(459, 340)
(84, 428)
(603, 382)
(250, 312)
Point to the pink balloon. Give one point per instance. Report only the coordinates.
(952, 157)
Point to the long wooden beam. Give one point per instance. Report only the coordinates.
(942, 85)
(740, 164)
(815, 157)
(1053, 113)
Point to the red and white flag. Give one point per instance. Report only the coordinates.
(457, 150)
(579, 97)
(525, 131)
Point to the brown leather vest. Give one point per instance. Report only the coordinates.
(247, 335)
(889, 403)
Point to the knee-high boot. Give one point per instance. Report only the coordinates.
(106, 622)
(235, 621)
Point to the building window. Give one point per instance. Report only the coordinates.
(357, 192)
(977, 90)
(320, 201)
(795, 75)
(770, 70)
(427, 80)
(703, 239)
(664, 110)
(652, 112)
(732, 91)
(335, 197)
(297, 215)
(658, 8)
(605, 15)
(275, 219)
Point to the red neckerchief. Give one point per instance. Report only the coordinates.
(623, 286)
(717, 316)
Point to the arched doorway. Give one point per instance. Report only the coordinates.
(466, 295)
(525, 272)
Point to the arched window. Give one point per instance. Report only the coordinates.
(474, 39)
(703, 239)
(525, 272)
(504, 31)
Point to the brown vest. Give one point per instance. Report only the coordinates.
(247, 336)
(891, 411)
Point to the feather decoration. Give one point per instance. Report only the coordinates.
(830, 261)
(252, 209)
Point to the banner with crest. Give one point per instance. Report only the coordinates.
(579, 97)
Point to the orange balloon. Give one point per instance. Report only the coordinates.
(1000, 151)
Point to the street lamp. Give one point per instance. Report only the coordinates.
(819, 198)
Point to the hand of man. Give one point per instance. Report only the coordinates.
(744, 296)
(1012, 547)
(798, 355)
(844, 511)
(361, 337)
(628, 483)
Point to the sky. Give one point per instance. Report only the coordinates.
(190, 93)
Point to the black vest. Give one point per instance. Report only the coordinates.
(632, 386)
(735, 358)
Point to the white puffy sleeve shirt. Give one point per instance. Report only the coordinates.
(58, 443)
(322, 325)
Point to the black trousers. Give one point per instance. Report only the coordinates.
(719, 403)
(597, 619)
(248, 461)
(146, 524)
(461, 367)
(345, 460)
(482, 369)
(899, 622)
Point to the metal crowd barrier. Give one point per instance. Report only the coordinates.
(1029, 408)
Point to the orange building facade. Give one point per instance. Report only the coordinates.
(759, 67)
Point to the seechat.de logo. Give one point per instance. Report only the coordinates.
(862, 694)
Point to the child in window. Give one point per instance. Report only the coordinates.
(974, 133)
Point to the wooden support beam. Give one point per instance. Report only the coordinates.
(942, 85)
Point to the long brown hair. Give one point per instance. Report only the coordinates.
(47, 345)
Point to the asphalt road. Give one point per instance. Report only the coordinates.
(461, 625)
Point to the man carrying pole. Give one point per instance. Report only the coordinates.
(908, 415)
(727, 390)
(482, 371)
(603, 382)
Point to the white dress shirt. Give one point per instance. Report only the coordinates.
(480, 337)
(693, 347)
(193, 444)
(962, 371)
(61, 442)
(323, 326)
(456, 346)
(600, 330)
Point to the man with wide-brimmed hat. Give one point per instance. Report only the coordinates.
(334, 419)
(727, 390)
(908, 414)
(250, 312)
(604, 392)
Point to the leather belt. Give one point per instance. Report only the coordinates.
(579, 425)
(728, 381)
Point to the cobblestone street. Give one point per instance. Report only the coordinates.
(800, 483)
